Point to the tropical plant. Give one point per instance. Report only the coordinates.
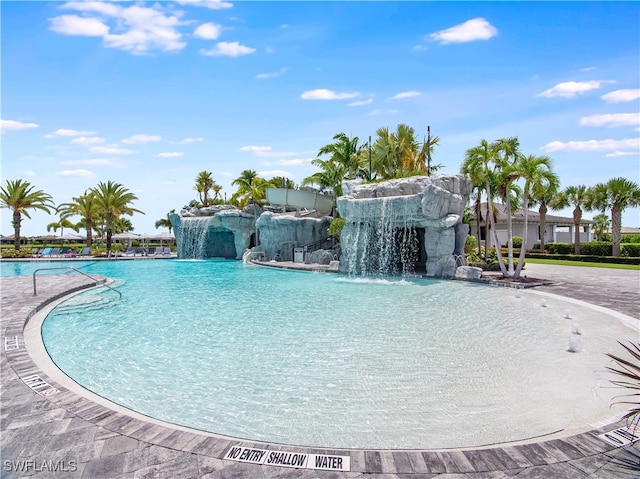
(165, 222)
(123, 225)
(543, 195)
(251, 188)
(483, 161)
(629, 369)
(85, 206)
(114, 200)
(329, 177)
(204, 184)
(335, 227)
(617, 195)
(61, 224)
(537, 174)
(579, 198)
(19, 196)
(601, 225)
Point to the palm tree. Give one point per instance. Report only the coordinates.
(475, 171)
(20, 196)
(510, 149)
(330, 175)
(165, 222)
(85, 206)
(482, 161)
(250, 188)
(616, 194)
(544, 195)
(601, 225)
(204, 184)
(114, 200)
(579, 198)
(61, 224)
(537, 174)
(346, 151)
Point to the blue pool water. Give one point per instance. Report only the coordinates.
(325, 360)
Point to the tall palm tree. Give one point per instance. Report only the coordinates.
(537, 173)
(330, 175)
(616, 194)
(19, 196)
(578, 197)
(484, 162)
(85, 206)
(543, 195)
(474, 169)
(204, 184)
(510, 154)
(165, 222)
(114, 200)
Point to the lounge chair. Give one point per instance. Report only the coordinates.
(45, 252)
(151, 251)
(166, 250)
(54, 252)
(86, 251)
(131, 251)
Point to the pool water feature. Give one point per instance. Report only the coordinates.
(326, 360)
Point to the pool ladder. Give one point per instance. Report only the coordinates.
(77, 271)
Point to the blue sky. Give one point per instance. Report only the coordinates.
(150, 93)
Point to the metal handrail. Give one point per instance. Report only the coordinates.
(77, 271)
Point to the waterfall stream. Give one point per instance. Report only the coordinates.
(192, 239)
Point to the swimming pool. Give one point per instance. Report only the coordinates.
(324, 360)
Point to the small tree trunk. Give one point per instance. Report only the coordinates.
(17, 220)
(503, 269)
(509, 233)
(543, 224)
(523, 248)
(577, 218)
(616, 228)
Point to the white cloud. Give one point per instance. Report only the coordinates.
(228, 49)
(110, 150)
(187, 141)
(170, 154)
(570, 89)
(616, 154)
(611, 119)
(134, 28)
(211, 4)
(88, 140)
(587, 69)
(368, 101)
(295, 162)
(67, 132)
(324, 94)
(81, 26)
(208, 31)
(90, 162)
(405, 94)
(261, 76)
(593, 145)
(419, 48)
(139, 139)
(381, 112)
(621, 96)
(80, 173)
(469, 31)
(254, 148)
(12, 125)
(29, 173)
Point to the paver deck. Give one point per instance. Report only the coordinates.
(49, 431)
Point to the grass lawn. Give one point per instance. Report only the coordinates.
(564, 262)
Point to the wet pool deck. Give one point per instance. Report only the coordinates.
(49, 431)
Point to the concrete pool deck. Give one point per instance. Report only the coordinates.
(48, 430)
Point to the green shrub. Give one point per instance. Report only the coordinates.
(517, 241)
(587, 259)
(560, 248)
(471, 244)
(335, 227)
(630, 250)
(21, 253)
(631, 238)
(596, 248)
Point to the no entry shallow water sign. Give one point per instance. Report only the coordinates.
(298, 460)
